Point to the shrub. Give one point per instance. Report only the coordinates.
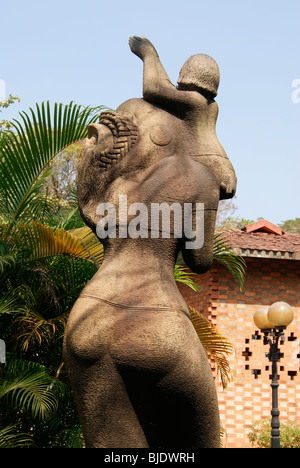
(260, 435)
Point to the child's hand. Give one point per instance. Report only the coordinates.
(141, 46)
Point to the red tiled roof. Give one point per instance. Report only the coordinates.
(264, 236)
(263, 226)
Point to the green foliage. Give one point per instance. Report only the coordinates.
(26, 386)
(235, 222)
(11, 438)
(5, 124)
(43, 269)
(27, 152)
(61, 183)
(183, 275)
(223, 252)
(40, 405)
(291, 226)
(216, 345)
(260, 435)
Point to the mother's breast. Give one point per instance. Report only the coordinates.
(158, 129)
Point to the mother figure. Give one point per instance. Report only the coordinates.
(139, 373)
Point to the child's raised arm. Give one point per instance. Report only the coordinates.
(157, 86)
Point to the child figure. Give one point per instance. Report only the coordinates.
(193, 102)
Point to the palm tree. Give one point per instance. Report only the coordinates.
(27, 391)
(25, 156)
(44, 268)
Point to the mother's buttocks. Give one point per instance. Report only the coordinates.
(150, 339)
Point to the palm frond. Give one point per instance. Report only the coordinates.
(9, 303)
(7, 258)
(30, 147)
(27, 387)
(6, 261)
(185, 276)
(217, 346)
(34, 329)
(41, 241)
(70, 276)
(10, 437)
(223, 252)
(91, 242)
(71, 220)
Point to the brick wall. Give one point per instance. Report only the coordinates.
(248, 397)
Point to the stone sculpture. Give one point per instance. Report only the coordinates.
(138, 370)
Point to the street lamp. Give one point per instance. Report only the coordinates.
(272, 322)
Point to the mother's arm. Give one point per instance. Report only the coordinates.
(197, 248)
(197, 257)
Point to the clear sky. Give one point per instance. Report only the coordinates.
(66, 50)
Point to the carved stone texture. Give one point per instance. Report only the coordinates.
(123, 137)
(139, 373)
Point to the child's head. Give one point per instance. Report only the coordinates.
(200, 72)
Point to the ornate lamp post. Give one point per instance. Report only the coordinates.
(272, 323)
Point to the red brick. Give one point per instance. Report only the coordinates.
(264, 285)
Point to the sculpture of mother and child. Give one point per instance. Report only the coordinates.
(139, 373)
